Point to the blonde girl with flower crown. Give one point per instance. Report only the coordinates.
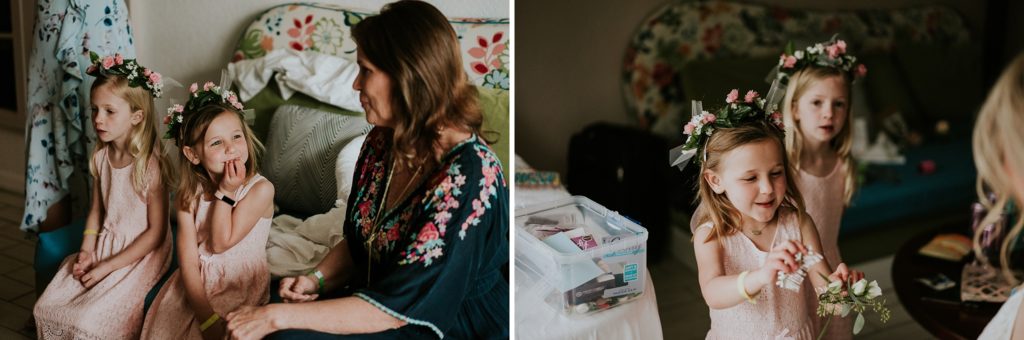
(999, 157)
(99, 292)
(754, 227)
(816, 115)
(224, 211)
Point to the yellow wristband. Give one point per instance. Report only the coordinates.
(91, 232)
(743, 290)
(209, 322)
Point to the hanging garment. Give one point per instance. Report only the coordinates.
(59, 133)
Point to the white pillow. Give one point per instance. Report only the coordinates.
(345, 168)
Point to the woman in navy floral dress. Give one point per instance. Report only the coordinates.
(426, 234)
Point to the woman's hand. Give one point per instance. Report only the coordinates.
(298, 289)
(234, 174)
(781, 259)
(86, 259)
(94, 276)
(251, 322)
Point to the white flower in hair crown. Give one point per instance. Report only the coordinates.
(703, 123)
(197, 98)
(831, 53)
(117, 65)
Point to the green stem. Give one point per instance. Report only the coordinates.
(825, 329)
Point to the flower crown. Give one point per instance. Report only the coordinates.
(831, 53)
(210, 94)
(703, 123)
(130, 69)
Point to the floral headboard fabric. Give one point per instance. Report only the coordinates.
(682, 32)
(327, 28)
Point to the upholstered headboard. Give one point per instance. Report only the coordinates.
(681, 33)
(326, 28)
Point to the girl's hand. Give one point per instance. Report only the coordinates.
(94, 276)
(251, 322)
(781, 259)
(298, 289)
(86, 259)
(845, 275)
(234, 174)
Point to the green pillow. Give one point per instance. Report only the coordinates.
(946, 81)
(493, 104)
(266, 102)
(711, 80)
(888, 90)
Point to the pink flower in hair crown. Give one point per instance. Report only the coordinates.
(751, 95)
(732, 96)
(832, 53)
(129, 69)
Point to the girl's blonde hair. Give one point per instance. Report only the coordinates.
(799, 83)
(725, 218)
(998, 143)
(194, 179)
(143, 140)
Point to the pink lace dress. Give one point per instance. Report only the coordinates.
(112, 309)
(234, 278)
(779, 313)
(823, 197)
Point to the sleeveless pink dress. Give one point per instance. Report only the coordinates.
(823, 197)
(237, 277)
(779, 313)
(112, 309)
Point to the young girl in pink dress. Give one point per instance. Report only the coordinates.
(99, 292)
(754, 226)
(224, 213)
(816, 114)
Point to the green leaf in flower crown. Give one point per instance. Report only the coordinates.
(789, 48)
(858, 324)
(93, 57)
(845, 310)
(351, 19)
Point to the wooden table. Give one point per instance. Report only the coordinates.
(943, 318)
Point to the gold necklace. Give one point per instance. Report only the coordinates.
(378, 221)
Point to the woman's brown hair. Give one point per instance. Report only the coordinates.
(413, 43)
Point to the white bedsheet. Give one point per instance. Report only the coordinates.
(324, 77)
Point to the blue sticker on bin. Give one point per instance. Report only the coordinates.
(630, 272)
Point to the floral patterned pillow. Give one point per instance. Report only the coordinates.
(327, 29)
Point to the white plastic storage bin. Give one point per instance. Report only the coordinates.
(578, 257)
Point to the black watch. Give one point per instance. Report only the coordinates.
(225, 198)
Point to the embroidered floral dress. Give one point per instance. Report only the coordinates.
(439, 253)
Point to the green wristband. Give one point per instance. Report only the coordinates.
(320, 278)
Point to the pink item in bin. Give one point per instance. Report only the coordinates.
(561, 268)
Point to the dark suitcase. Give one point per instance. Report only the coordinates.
(624, 169)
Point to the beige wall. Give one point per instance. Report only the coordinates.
(197, 49)
(570, 55)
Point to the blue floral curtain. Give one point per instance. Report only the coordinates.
(59, 132)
